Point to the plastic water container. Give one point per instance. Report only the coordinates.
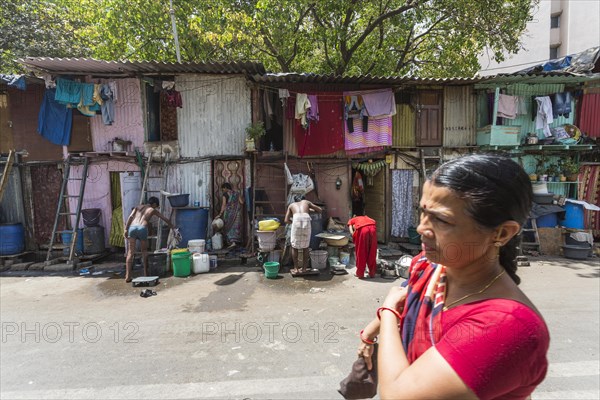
(217, 241)
(344, 257)
(266, 240)
(318, 259)
(213, 262)
(201, 263)
(197, 245)
(182, 263)
(274, 256)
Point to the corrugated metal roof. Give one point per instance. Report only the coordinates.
(293, 77)
(85, 66)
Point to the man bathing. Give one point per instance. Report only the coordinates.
(137, 229)
(297, 214)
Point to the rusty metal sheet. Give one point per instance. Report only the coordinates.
(459, 116)
(403, 126)
(45, 186)
(24, 108)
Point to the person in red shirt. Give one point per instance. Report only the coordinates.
(364, 236)
(462, 328)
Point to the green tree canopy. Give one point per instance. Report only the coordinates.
(380, 37)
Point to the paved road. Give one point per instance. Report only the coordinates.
(235, 334)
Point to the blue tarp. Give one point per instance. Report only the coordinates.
(17, 81)
(55, 120)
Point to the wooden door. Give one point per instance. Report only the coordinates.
(81, 134)
(6, 135)
(429, 118)
(375, 206)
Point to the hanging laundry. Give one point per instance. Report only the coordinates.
(113, 89)
(267, 108)
(16, 81)
(313, 111)
(108, 107)
(561, 104)
(354, 108)
(302, 106)
(68, 92)
(522, 106)
(284, 94)
(507, 106)
(174, 98)
(168, 85)
(55, 120)
(544, 115)
(50, 83)
(379, 103)
(87, 106)
(97, 97)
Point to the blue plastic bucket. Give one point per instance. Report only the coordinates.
(547, 221)
(12, 239)
(573, 216)
(66, 239)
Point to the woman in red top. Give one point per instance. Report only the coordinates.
(364, 236)
(466, 329)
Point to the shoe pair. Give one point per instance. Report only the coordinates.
(147, 293)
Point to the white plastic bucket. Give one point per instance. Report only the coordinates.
(213, 262)
(201, 263)
(266, 240)
(344, 257)
(196, 245)
(217, 241)
(274, 256)
(318, 259)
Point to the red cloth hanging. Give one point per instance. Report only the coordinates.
(589, 115)
(325, 136)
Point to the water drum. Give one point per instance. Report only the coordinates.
(318, 259)
(217, 241)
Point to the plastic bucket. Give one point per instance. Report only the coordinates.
(182, 263)
(344, 257)
(157, 264)
(266, 240)
(201, 263)
(91, 216)
(573, 216)
(271, 269)
(213, 262)
(318, 259)
(333, 261)
(274, 256)
(197, 245)
(67, 237)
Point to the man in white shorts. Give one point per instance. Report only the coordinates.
(298, 215)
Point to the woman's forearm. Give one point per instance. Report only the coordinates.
(392, 360)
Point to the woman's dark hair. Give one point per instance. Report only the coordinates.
(226, 185)
(495, 189)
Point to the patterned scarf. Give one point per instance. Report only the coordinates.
(421, 326)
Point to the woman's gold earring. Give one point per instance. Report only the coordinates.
(497, 245)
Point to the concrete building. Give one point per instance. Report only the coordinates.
(558, 28)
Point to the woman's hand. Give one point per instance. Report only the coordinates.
(366, 351)
(395, 298)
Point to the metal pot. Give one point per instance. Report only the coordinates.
(532, 139)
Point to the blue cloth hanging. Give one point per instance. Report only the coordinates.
(55, 120)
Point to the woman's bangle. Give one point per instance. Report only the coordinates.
(366, 340)
(396, 313)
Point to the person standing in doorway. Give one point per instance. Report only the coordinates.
(364, 236)
(298, 215)
(231, 213)
(136, 228)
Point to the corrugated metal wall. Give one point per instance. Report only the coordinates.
(216, 111)
(11, 207)
(193, 178)
(403, 126)
(459, 116)
(129, 122)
